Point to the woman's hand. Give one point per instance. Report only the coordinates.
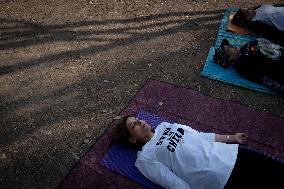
(240, 138)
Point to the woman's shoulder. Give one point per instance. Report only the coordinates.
(148, 151)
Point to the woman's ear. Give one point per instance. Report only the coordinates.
(132, 140)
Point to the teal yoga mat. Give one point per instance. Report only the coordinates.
(216, 72)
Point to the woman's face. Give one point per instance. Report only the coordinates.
(232, 52)
(138, 129)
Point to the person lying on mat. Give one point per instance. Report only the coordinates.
(260, 61)
(265, 21)
(179, 157)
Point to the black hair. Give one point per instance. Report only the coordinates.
(121, 130)
(220, 56)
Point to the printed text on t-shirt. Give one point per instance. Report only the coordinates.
(173, 137)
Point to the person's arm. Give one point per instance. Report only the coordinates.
(160, 174)
(239, 138)
(208, 136)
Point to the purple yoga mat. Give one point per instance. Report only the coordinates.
(188, 107)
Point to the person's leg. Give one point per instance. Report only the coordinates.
(255, 170)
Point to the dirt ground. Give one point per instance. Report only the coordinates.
(67, 68)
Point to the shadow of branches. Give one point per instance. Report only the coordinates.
(133, 30)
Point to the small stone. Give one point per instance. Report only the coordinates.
(75, 156)
(86, 141)
(3, 156)
(117, 117)
(161, 103)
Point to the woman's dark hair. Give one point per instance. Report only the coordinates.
(220, 56)
(240, 19)
(123, 134)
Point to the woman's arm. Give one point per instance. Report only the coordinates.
(160, 174)
(239, 138)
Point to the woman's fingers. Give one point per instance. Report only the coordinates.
(242, 137)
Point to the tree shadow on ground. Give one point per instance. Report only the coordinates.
(22, 34)
(82, 98)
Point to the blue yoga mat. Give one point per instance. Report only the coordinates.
(217, 72)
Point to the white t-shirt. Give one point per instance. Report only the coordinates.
(273, 16)
(180, 157)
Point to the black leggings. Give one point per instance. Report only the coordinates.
(255, 170)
